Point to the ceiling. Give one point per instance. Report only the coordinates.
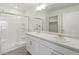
(24, 7)
(57, 6)
(20, 6)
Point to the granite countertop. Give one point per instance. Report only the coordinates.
(63, 41)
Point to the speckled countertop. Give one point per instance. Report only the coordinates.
(70, 43)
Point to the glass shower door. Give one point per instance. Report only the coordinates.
(7, 31)
(3, 32)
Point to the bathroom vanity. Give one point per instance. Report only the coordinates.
(48, 44)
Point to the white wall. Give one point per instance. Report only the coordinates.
(63, 12)
(71, 22)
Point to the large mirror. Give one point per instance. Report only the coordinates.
(64, 20)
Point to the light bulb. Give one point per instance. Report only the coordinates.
(16, 7)
(41, 7)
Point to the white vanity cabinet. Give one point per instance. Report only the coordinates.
(35, 47)
(39, 46)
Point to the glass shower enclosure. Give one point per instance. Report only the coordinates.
(11, 31)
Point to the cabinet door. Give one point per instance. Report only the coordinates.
(32, 46)
(35, 48)
(47, 51)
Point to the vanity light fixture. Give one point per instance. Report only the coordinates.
(16, 7)
(41, 7)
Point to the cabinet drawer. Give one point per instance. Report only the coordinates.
(44, 50)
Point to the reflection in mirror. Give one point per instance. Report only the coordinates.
(53, 24)
(37, 24)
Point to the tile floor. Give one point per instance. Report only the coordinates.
(18, 51)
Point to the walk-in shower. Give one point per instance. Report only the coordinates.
(12, 31)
